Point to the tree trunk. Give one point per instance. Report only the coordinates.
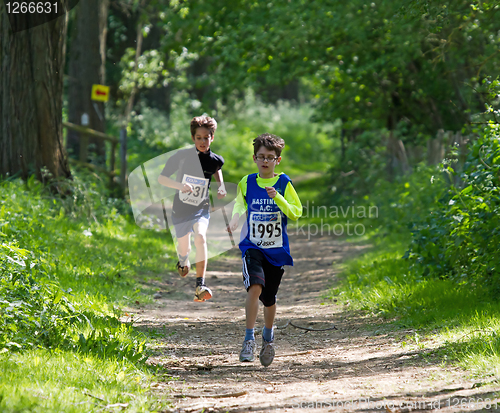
(31, 87)
(87, 67)
(135, 89)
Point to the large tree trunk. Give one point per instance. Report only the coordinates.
(31, 86)
(87, 67)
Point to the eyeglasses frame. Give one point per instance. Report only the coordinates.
(265, 159)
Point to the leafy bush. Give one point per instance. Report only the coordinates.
(366, 162)
(390, 207)
(409, 198)
(460, 239)
(36, 311)
(33, 313)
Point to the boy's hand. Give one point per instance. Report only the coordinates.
(233, 224)
(186, 188)
(221, 193)
(271, 191)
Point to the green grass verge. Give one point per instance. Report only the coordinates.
(59, 381)
(67, 266)
(459, 323)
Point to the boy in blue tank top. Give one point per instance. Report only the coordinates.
(269, 199)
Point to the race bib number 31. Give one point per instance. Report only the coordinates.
(265, 229)
(200, 190)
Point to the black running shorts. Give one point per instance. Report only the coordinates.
(258, 270)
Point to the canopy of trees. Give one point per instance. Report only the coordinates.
(411, 69)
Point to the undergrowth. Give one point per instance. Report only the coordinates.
(434, 264)
(67, 265)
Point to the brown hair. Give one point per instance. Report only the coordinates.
(203, 122)
(269, 141)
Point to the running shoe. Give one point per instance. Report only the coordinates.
(202, 293)
(183, 271)
(266, 355)
(247, 351)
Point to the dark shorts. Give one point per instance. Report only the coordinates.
(258, 270)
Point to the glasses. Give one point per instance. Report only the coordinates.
(262, 158)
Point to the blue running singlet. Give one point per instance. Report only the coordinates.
(266, 224)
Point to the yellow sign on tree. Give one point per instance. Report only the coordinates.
(100, 93)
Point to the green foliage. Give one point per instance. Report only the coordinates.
(391, 207)
(32, 313)
(370, 64)
(64, 262)
(364, 164)
(459, 240)
(408, 198)
(37, 312)
(447, 282)
(149, 69)
(67, 262)
(153, 70)
(309, 145)
(475, 344)
(455, 322)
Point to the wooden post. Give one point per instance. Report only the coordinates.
(86, 132)
(401, 155)
(84, 147)
(112, 157)
(123, 158)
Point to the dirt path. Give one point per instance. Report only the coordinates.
(362, 366)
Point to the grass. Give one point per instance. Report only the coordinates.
(67, 266)
(460, 325)
(44, 381)
(87, 242)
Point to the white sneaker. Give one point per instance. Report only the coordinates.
(202, 293)
(183, 271)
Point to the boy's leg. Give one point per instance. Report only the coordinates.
(253, 279)
(184, 245)
(269, 314)
(273, 276)
(252, 305)
(200, 242)
(202, 293)
(183, 249)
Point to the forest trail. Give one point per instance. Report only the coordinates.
(361, 366)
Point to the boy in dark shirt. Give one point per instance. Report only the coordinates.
(191, 208)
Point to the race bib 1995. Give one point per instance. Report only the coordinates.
(200, 190)
(265, 229)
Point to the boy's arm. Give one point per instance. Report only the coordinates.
(170, 183)
(221, 193)
(290, 203)
(171, 167)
